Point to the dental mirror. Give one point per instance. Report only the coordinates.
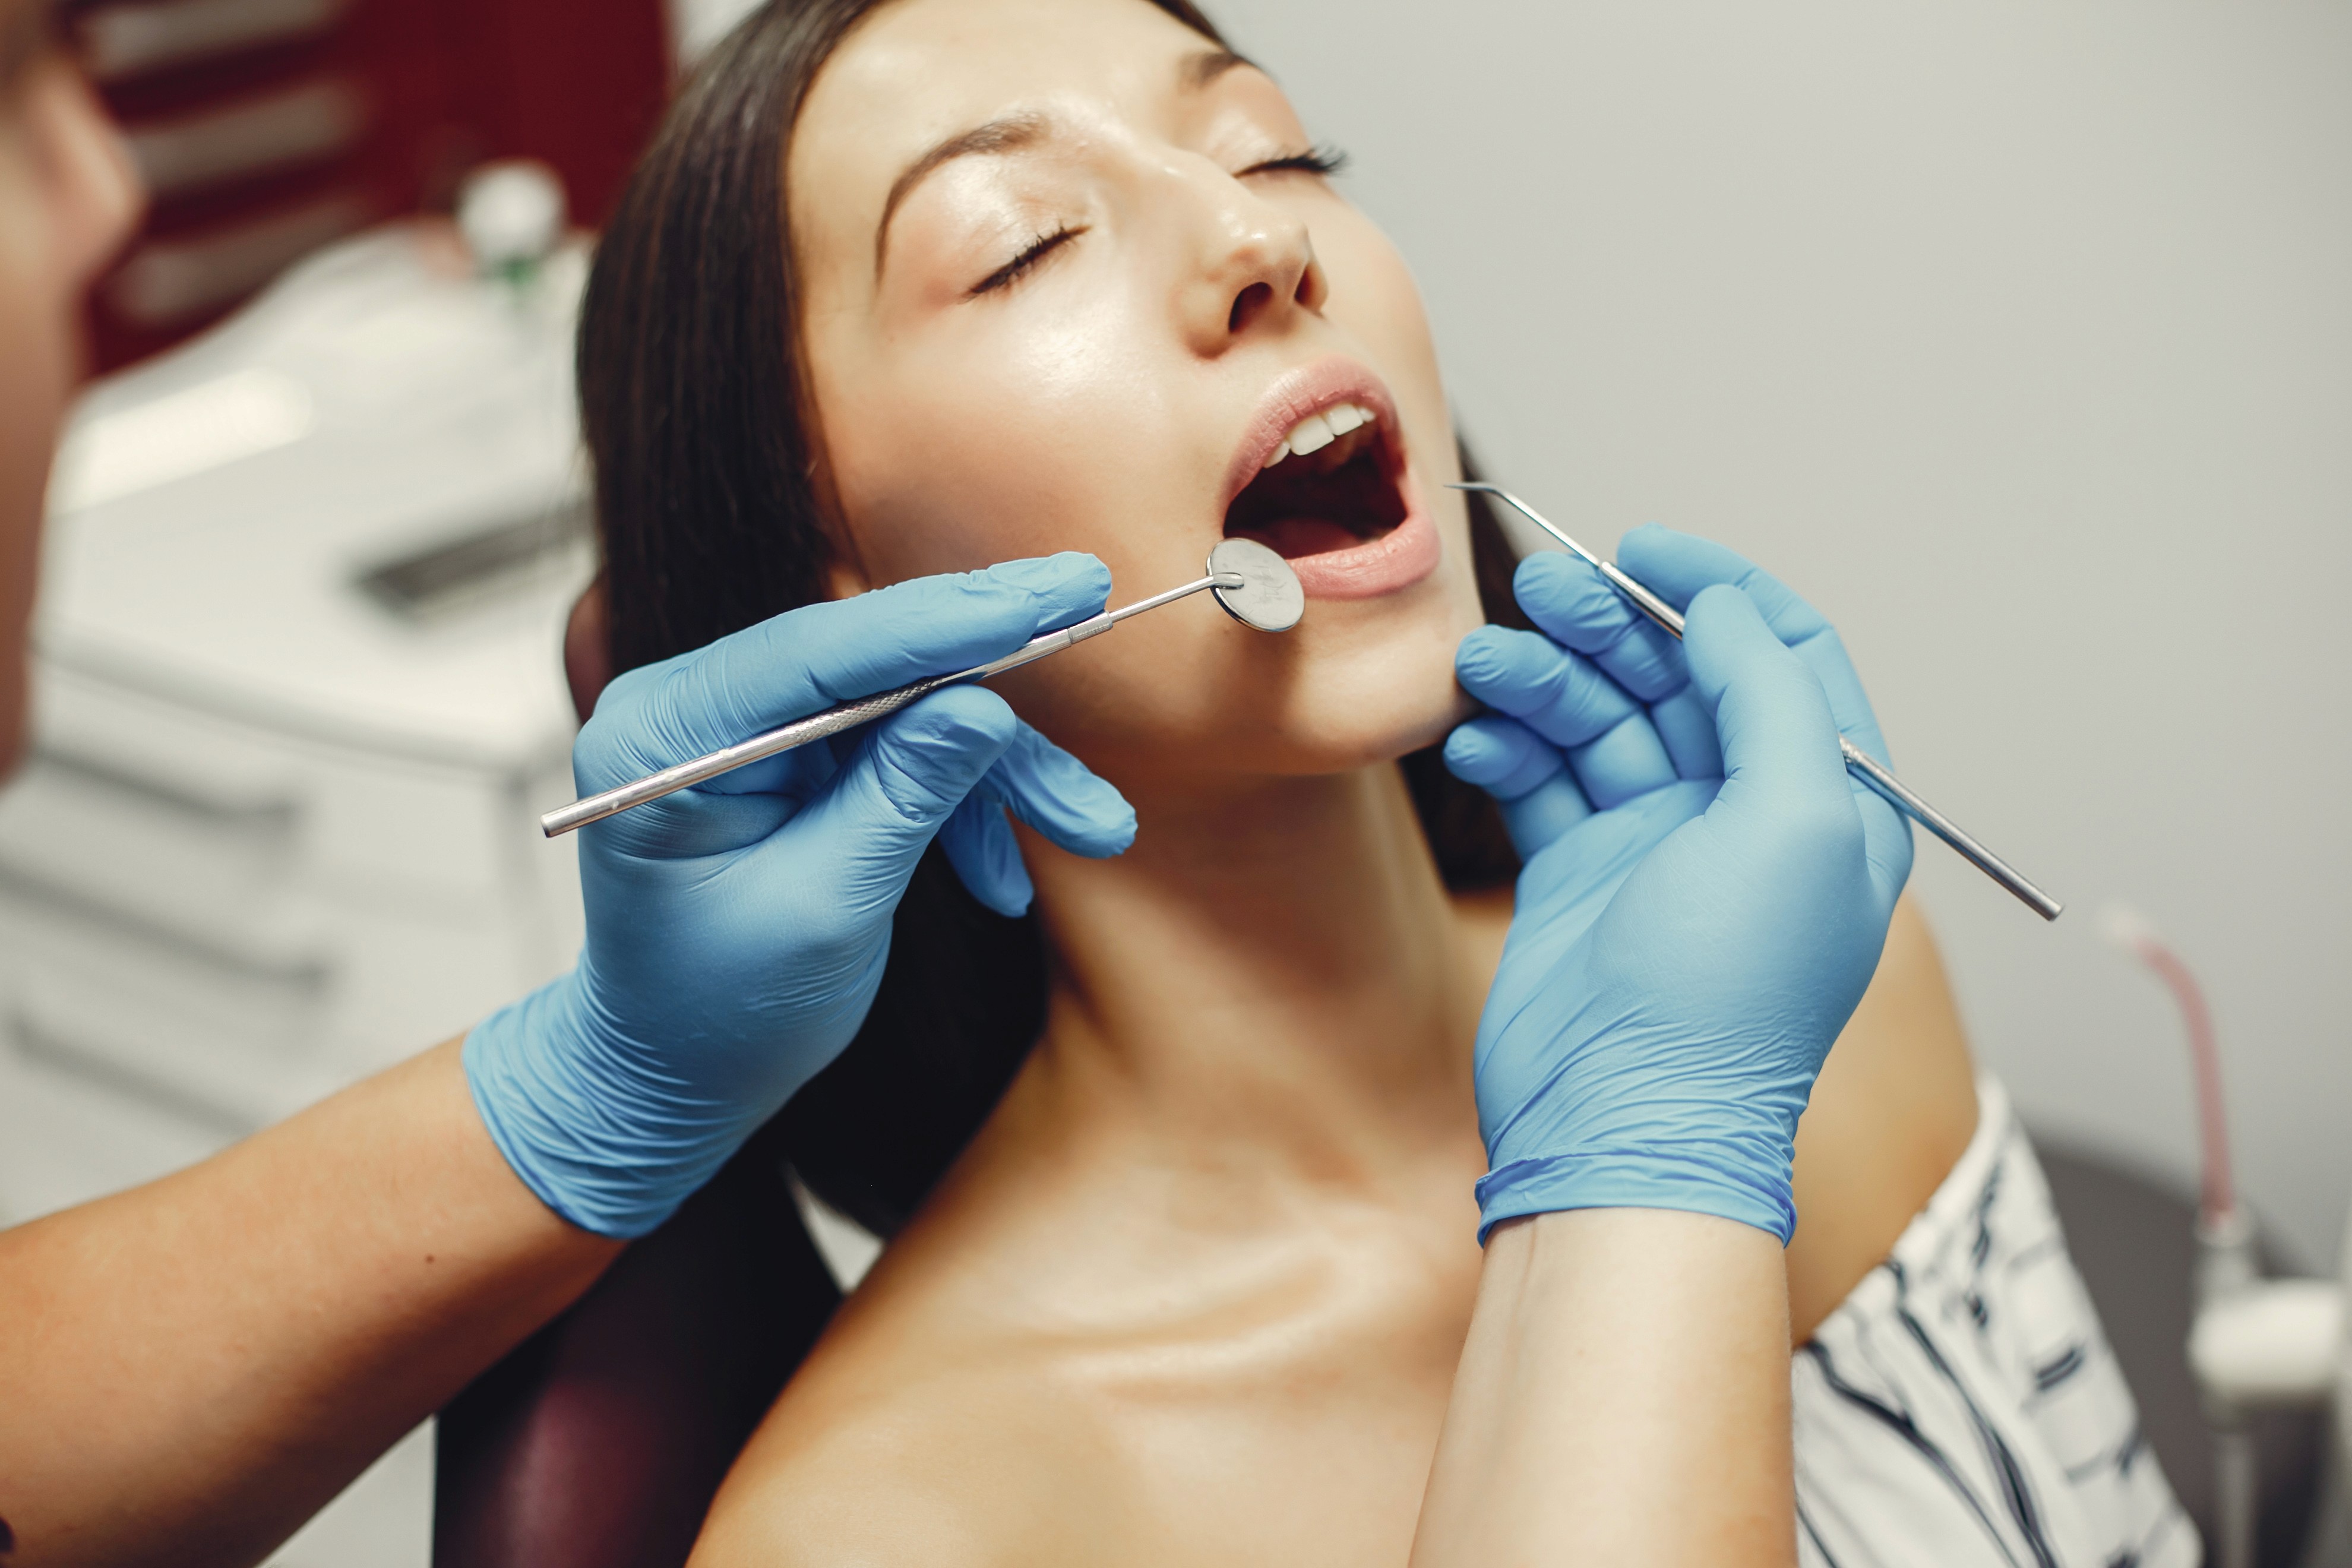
(1269, 598)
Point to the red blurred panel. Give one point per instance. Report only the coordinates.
(274, 124)
(577, 84)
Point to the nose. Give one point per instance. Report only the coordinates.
(1255, 268)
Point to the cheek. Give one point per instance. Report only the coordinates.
(1013, 436)
(1375, 299)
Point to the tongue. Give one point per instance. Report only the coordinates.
(1292, 537)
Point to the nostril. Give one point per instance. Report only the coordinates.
(1248, 305)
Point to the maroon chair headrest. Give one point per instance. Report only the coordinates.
(600, 1440)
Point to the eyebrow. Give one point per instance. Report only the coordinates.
(1198, 70)
(1001, 135)
(1012, 132)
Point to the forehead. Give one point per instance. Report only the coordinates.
(918, 71)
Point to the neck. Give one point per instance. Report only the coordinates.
(1284, 967)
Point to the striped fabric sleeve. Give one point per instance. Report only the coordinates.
(1961, 1407)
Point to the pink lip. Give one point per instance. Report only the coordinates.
(1399, 558)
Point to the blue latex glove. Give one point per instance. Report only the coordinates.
(1706, 891)
(737, 929)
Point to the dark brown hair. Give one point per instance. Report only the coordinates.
(690, 407)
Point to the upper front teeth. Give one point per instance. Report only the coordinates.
(1317, 431)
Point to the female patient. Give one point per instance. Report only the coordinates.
(914, 287)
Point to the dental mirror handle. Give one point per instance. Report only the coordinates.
(1871, 771)
(847, 716)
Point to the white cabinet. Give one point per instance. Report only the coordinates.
(298, 703)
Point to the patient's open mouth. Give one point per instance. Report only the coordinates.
(1330, 485)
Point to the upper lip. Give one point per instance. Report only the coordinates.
(1310, 389)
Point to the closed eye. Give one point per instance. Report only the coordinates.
(1325, 160)
(1038, 248)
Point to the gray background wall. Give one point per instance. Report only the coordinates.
(2019, 336)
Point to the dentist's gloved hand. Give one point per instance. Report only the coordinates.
(737, 929)
(1706, 891)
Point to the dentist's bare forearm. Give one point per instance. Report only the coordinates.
(1622, 1397)
(191, 1369)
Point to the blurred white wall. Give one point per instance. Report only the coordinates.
(696, 25)
(2018, 335)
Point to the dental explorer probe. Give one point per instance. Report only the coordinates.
(1869, 769)
(1249, 580)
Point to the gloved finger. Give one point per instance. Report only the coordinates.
(1575, 606)
(1500, 755)
(693, 823)
(813, 658)
(1540, 817)
(1630, 760)
(739, 807)
(1059, 796)
(1559, 695)
(1686, 728)
(859, 840)
(1678, 566)
(799, 772)
(1782, 769)
(980, 845)
(1779, 737)
(1525, 774)
(1567, 698)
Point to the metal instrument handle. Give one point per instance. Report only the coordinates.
(847, 716)
(784, 738)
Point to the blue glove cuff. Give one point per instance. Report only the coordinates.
(545, 1090)
(1685, 1178)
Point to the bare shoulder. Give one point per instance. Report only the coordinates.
(876, 1459)
(1893, 1111)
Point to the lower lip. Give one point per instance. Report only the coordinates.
(1397, 559)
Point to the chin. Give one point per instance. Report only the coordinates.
(1374, 680)
(1358, 744)
(1371, 712)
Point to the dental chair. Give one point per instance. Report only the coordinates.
(2133, 1241)
(599, 1442)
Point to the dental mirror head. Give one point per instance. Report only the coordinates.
(1269, 598)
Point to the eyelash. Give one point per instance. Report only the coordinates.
(1013, 270)
(1322, 161)
(1326, 160)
